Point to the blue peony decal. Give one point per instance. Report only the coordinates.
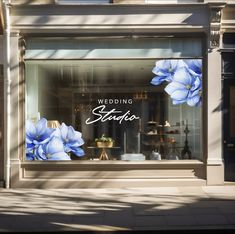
(72, 140)
(44, 143)
(165, 70)
(184, 78)
(53, 150)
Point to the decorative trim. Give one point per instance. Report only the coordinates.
(215, 22)
(22, 46)
(215, 26)
(14, 33)
(85, 175)
(214, 161)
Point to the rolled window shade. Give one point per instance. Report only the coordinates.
(112, 48)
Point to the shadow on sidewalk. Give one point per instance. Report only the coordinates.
(69, 211)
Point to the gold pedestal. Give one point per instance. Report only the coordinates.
(104, 155)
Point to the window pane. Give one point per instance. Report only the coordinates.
(125, 109)
(229, 40)
(228, 63)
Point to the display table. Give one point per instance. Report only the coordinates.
(103, 155)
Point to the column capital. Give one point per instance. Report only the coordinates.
(14, 34)
(215, 23)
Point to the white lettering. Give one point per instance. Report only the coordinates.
(116, 115)
(114, 101)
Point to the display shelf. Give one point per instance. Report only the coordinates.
(158, 134)
(150, 134)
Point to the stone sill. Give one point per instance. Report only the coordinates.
(105, 162)
(115, 3)
(109, 164)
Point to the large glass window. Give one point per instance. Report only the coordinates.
(115, 109)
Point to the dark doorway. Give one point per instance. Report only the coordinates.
(228, 73)
(229, 128)
(1, 125)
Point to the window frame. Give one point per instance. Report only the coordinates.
(202, 158)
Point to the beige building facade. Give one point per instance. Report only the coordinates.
(39, 35)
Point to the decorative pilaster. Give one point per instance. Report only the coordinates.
(14, 96)
(22, 49)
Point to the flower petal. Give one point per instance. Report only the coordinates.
(197, 84)
(30, 156)
(181, 63)
(169, 78)
(78, 152)
(59, 156)
(40, 152)
(30, 129)
(195, 66)
(71, 134)
(76, 143)
(163, 64)
(54, 146)
(174, 64)
(183, 76)
(78, 135)
(41, 126)
(157, 80)
(193, 101)
(28, 140)
(176, 102)
(199, 103)
(180, 94)
(47, 134)
(56, 133)
(64, 131)
(173, 86)
(29, 147)
(156, 70)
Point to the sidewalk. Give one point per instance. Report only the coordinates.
(168, 208)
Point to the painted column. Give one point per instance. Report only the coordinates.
(16, 130)
(7, 92)
(215, 166)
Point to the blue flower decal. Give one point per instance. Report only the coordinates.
(72, 140)
(165, 70)
(184, 88)
(44, 143)
(195, 67)
(184, 78)
(53, 150)
(36, 135)
(39, 133)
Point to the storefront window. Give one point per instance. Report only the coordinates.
(113, 109)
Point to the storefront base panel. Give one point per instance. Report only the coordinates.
(106, 174)
(1, 184)
(215, 174)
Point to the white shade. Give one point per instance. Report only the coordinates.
(102, 48)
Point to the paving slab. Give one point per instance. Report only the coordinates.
(170, 208)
